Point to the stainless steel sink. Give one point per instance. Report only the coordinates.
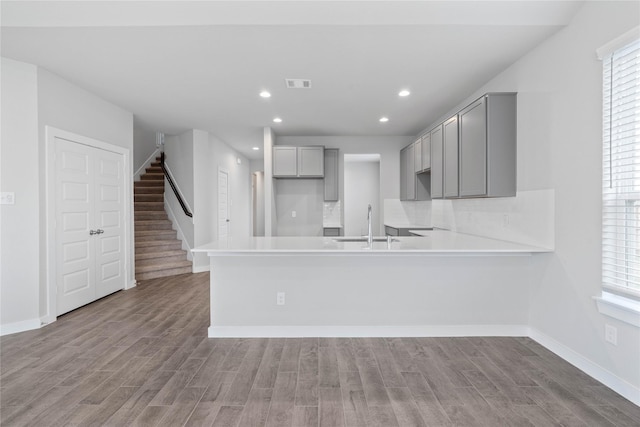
(361, 239)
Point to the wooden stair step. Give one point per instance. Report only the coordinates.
(155, 235)
(148, 206)
(164, 273)
(160, 254)
(154, 169)
(161, 261)
(154, 246)
(150, 215)
(153, 224)
(156, 189)
(148, 197)
(149, 183)
(152, 177)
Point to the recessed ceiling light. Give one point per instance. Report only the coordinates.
(384, 119)
(256, 148)
(277, 120)
(404, 92)
(265, 94)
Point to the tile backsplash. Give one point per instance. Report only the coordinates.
(332, 214)
(401, 213)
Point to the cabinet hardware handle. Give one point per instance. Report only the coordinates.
(92, 232)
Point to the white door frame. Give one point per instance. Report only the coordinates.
(223, 170)
(51, 134)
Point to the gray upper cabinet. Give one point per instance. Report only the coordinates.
(331, 174)
(450, 144)
(488, 147)
(403, 181)
(311, 162)
(410, 174)
(425, 143)
(298, 162)
(437, 163)
(285, 161)
(417, 156)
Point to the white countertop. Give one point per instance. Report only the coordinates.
(405, 225)
(434, 242)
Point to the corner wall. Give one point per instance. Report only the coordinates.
(559, 85)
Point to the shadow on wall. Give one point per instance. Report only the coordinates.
(361, 188)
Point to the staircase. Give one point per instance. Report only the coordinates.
(158, 251)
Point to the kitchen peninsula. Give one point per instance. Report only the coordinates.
(445, 283)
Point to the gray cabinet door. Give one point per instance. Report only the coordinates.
(417, 156)
(450, 142)
(437, 163)
(403, 174)
(473, 149)
(311, 161)
(285, 161)
(410, 174)
(331, 173)
(426, 152)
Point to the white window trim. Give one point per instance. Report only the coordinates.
(623, 308)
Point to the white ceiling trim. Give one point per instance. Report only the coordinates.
(52, 13)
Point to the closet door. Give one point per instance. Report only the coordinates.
(89, 205)
(109, 219)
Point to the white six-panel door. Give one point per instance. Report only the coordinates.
(90, 256)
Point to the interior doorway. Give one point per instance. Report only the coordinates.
(361, 188)
(223, 204)
(257, 187)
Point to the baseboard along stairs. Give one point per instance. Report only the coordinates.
(158, 251)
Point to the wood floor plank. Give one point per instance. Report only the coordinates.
(305, 416)
(142, 357)
(372, 383)
(407, 413)
(283, 400)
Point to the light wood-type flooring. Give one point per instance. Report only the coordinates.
(142, 357)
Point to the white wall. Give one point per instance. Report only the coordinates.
(258, 203)
(179, 158)
(144, 147)
(559, 87)
(303, 196)
(19, 223)
(361, 188)
(33, 98)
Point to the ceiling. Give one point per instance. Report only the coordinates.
(180, 65)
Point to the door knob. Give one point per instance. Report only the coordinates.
(92, 232)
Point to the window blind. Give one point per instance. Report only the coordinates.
(621, 171)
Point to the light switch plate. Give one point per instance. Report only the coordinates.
(7, 198)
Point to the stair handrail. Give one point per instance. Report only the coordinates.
(185, 209)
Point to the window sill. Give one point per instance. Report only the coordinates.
(621, 308)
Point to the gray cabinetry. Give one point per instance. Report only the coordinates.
(331, 173)
(302, 162)
(425, 152)
(409, 173)
(403, 174)
(437, 163)
(285, 162)
(417, 156)
(488, 147)
(311, 162)
(450, 161)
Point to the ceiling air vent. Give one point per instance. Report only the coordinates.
(298, 83)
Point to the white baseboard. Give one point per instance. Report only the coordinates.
(25, 325)
(146, 164)
(617, 384)
(200, 268)
(367, 331)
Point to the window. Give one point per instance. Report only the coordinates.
(621, 172)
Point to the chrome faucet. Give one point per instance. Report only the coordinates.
(369, 228)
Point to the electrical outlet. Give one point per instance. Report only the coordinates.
(611, 334)
(280, 298)
(7, 198)
(293, 214)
